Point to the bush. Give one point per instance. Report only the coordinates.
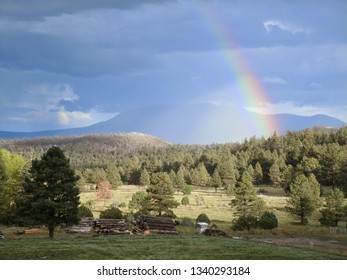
(328, 218)
(203, 218)
(187, 189)
(84, 211)
(245, 222)
(185, 200)
(122, 205)
(111, 213)
(268, 221)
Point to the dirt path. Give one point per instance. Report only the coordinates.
(301, 242)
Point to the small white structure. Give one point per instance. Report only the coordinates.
(201, 227)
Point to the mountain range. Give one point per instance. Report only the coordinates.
(189, 124)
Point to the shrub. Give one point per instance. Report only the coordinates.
(111, 213)
(185, 200)
(268, 221)
(84, 211)
(187, 189)
(245, 222)
(203, 218)
(122, 205)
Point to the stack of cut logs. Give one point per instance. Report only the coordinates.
(110, 226)
(85, 225)
(149, 224)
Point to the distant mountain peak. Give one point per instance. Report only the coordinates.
(202, 123)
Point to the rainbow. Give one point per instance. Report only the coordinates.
(250, 91)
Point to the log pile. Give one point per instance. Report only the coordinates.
(160, 225)
(85, 225)
(110, 226)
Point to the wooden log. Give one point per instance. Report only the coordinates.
(78, 229)
(157, 219)
(33, 231)
(163, 231)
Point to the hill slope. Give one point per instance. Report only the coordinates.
(94, 144)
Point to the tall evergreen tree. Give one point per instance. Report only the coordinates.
(334, 209)
(250, 171)
(215, 181)
(160, 198)
(181, 182)
(258, 173)
(200, 176)
(246, 201)
(50, 196)
(276, 175)
(145, 179)
(113, 176)
(304, 197)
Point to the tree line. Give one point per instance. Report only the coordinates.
(299, 162)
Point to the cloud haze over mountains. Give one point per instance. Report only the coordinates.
(191, 124)
(67, 64)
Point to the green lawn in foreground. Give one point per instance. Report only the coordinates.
(156, 247)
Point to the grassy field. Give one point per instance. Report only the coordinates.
(156, 247)
(288, 241)
(216, 204)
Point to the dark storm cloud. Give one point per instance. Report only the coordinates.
(117, 55)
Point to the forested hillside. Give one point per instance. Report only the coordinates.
(87, 150)
(276, 160)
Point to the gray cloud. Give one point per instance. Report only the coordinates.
(37, 9)
(122, 54)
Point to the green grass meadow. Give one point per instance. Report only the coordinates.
(188, 244)
(154, 247)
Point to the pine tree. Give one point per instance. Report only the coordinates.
(50, 196)
(304, 197)
(276, 175)
(215, 181)
(138, 202)
(334, 209)
(160, 195)
(258, 173)
(144, 178)
(250, 171)
(200, 176)
(181, 183)
(228, 171)
(113, 176)
(246, 201)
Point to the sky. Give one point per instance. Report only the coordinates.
(69, 63)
